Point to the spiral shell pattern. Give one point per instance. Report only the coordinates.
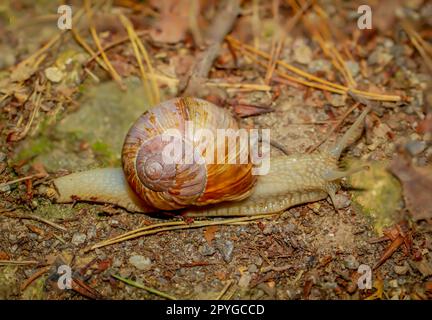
(171, 186)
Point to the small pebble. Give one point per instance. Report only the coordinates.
(252, 268)
(78, 238)
(140, 262)
(415, 147)
(245, 280)
(401, 270)
(342, 201)
(268, 229)
(206, 250)
(302, 53)
(351, 262)
(338, 100)
(226, 249)
(54, 74)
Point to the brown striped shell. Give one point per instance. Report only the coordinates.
(170, 186)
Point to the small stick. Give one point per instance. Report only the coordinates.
(322, 84)
(170, 226)
(17, 263)
(33, 217)
(37, 175)
(221, 25)
(141, 286)
(34, 276)
(335, 126)
(224, 290)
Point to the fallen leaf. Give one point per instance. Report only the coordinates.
(416, 185)
(4, 256)
(209, 233)
(244, 110)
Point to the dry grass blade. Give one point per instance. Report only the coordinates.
(335, 126)
(141, 286)
(139, 49)
(33, 217)
(423, 47)
(17, 263)
(224, 290)
(83, 44)
(116, 77)
(171, 226)
(321, 83)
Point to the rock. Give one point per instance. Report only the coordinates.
(268, 229)
(415, 147)
(252, 268)
(226, 249)
(91, 232)
(353, 67)
(341, 201)
(338, 100)
(117, 262)
(351, 262)
(424, 268)
(245, 280)
(78, 238)
(290, 227)
(401, 270)
(257, 260)
(140, 262)
(380, 57)
(206, 250)
(302, 53)
(54, 74)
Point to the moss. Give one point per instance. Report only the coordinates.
(104, 153)
(39, 145)
(8, 282)
(35, 291)
(377, 193)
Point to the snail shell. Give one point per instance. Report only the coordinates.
(170, 186)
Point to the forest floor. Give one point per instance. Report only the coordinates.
(68, 97)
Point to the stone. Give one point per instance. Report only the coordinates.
(78, 238)
(226, 249)
(140, 262)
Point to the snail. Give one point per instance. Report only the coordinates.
(148, 184)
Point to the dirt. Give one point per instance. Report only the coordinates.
(312, 251)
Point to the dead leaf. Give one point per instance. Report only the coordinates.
(4, 256)
(417, 187)
(209, 233)
(245, 110)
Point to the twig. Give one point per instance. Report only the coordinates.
(114, 44)
(170, 226)
(33, 217)
(278, 269)
(248, 86)
(138, 48)
(37, 175)
(34, 276)
(335, 126)
(224, 290)
(17, 263)
(95, 37)
(141, 286)
(221, 25)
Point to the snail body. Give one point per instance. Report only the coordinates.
(146, 183)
